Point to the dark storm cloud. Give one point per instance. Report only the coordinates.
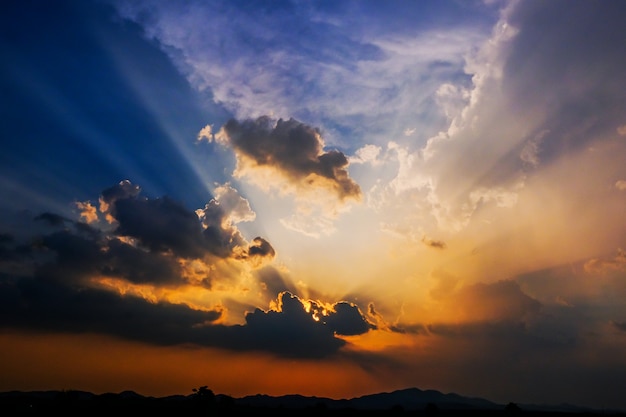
(139, 266)
(290, 332)
(78, 257)
(294, 149)
(124, 189)
(75, 256)
(260, 248)
(39, 304)
(294, 332)
(347, 320)
(162, 230)
(60, 290)
(162, 224)
(220, 235)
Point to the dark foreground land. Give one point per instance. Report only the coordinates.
(76, 403)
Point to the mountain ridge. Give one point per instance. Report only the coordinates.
(402, 399)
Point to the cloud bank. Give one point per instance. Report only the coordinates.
(113, 277)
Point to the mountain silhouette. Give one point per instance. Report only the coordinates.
(410, 401)
(410, 398)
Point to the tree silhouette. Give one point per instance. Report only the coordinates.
(204, 398)
(512, 408)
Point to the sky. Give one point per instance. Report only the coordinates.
(329, 198)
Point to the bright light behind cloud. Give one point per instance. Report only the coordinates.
(413, 194)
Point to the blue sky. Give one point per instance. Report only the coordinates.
(379, 194)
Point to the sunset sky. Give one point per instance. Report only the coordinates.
(330, 198)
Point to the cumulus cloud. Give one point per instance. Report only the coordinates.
(291, 148)
(124, 189)
(515, 117)
(347, 319)
(39, 304)
(292, 330)
(152, 237)
(164, 225)
(260, 250)
(234, 205)
(289, 330)
(620, 185)
(120, 281)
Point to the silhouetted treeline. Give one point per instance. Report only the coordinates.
(203, 402)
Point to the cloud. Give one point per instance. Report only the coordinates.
(163, 225)
(292, 330)
(88, 212)
(260, 250)
(515, 118)
(451, 99)
(291, 148)
(274, 282)
(347, 320)
(39, 304)
(124, 189)
(500, 301)
(620, 185)
(151, 238)
(123, 280)
(310, 224)
(139, 266)
(235, 206)
(436, 244)
(603, 266)
(288, 331)
(489, 315)
(358, 78)
(366, 154)
(530, 151)
(206, 133)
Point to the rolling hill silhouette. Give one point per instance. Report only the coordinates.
(410, 401)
